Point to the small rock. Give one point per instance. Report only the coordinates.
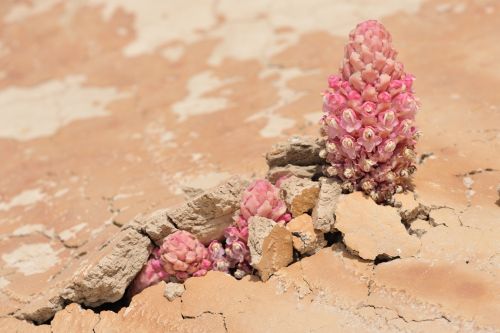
(419, 227)
(173, 290)
(101, 278)
(305, 239)
(446, 216)
(157, 225)
(74, 319)
(270, 246)
(371, 230)
(297, 151)
(300, 195)
(408, 207)
(207, 215)
(308, 172)
(323, 214)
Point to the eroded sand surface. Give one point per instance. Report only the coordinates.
(111, 108)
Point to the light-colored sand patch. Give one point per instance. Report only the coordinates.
(23, 11)
(159, 22)
(167, 137)
(203, 181)
(173, 53)
(71, 232)
(313, 117)
(25, 198)
(29, 229)
(195, 103)
(3, 282)
(250, 28)
(276, 124)
(31, 259)
(29, 113)
(61, 192)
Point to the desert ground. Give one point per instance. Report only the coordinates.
(114, 108)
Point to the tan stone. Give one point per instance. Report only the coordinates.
(323, 214)
(444, 216)
(372, 230)
(13, 325)
(207, 215)
(150, 311)
(156, 225)
(409, 286)
(270, 246)
(473, 247)
(297, 150)
(108, 271)
(305, 239)
(102, 277)
(173, 290)
(74, 319)
(300, 195)
(408, 206)
(419, 227)
(308, 172)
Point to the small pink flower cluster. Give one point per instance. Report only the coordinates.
(181, 255)
(261, 198)
(369, 116)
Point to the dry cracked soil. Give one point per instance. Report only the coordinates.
(114, 108)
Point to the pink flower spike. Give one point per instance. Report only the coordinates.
(216, 250)
(406, 105)
(369, 109)
(349, 121)
(183, 255)
(387, 120)
(369, 139)
(334, 81)
(333, 102)
(334, 129)
(386, 149)
(349, 146)
(150, 274)
(353, 95)
(262, 198)
(384, 97)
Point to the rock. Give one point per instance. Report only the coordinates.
(300, 195)
(372, 230)
(173, 290)
(101, 278)
(408, 207)
(305, 239)
(323, 215)
(270, 246)
(13, 325)
(446, 216)
(74, 319)
(109, 270)
(419, 227)
(420, 289)
(157, 225)
(150, 311)
(308, 171)
(297, 151)
(207, 215)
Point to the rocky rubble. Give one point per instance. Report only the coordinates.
(284, 254)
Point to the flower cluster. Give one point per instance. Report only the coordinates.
(179, 257)
(369, 114)
(261, 198)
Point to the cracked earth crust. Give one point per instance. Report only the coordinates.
(122, 133)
